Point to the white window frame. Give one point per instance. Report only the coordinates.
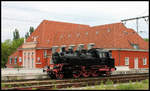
(126, 61)
(144, 61)
(10, 60)
(15, 61)
(20, 59)
(45, 53)
(38, 59)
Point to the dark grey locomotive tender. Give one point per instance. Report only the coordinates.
(93, 62)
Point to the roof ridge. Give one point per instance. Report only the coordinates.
(107, 24)
(64, 22)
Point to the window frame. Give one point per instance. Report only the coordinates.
(15, 61)
(144, 61)
(135, 46)
(38, 59)
(20, 59)
(45, 53)
(10, 60)
(126, 61)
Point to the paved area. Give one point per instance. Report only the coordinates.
(18, 74)
(21, 71)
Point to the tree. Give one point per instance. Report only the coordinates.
(31, 30)
(27, 35)
(16, 34)
(146, 39)
(8, 47)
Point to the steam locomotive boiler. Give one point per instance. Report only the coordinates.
(93, 62)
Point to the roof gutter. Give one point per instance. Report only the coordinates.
(142, 50)
(32, 48)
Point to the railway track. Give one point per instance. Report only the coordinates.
(81, 82)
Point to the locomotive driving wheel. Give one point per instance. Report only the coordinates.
(108, 73)
(94, 73)
(86, 73)
(59, 75)
(77, 74)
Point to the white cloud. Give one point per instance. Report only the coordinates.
(24, 14)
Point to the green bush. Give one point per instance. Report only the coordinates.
(102, 85)
(34, 88)
(109, 82)
(54, 88)
(130, 86)
(125, 87)
(3, 85)
(9, 86)
(145, 81)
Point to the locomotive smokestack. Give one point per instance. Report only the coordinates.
(62, 48)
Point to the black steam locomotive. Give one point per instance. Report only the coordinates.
(93, 62)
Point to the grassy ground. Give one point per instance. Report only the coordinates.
(143, 85)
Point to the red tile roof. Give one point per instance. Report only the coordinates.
(52, 33)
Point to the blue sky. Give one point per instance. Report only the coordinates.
(22, 15)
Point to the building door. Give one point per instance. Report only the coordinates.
(135, 63)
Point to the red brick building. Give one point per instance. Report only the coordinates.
(127, 47)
